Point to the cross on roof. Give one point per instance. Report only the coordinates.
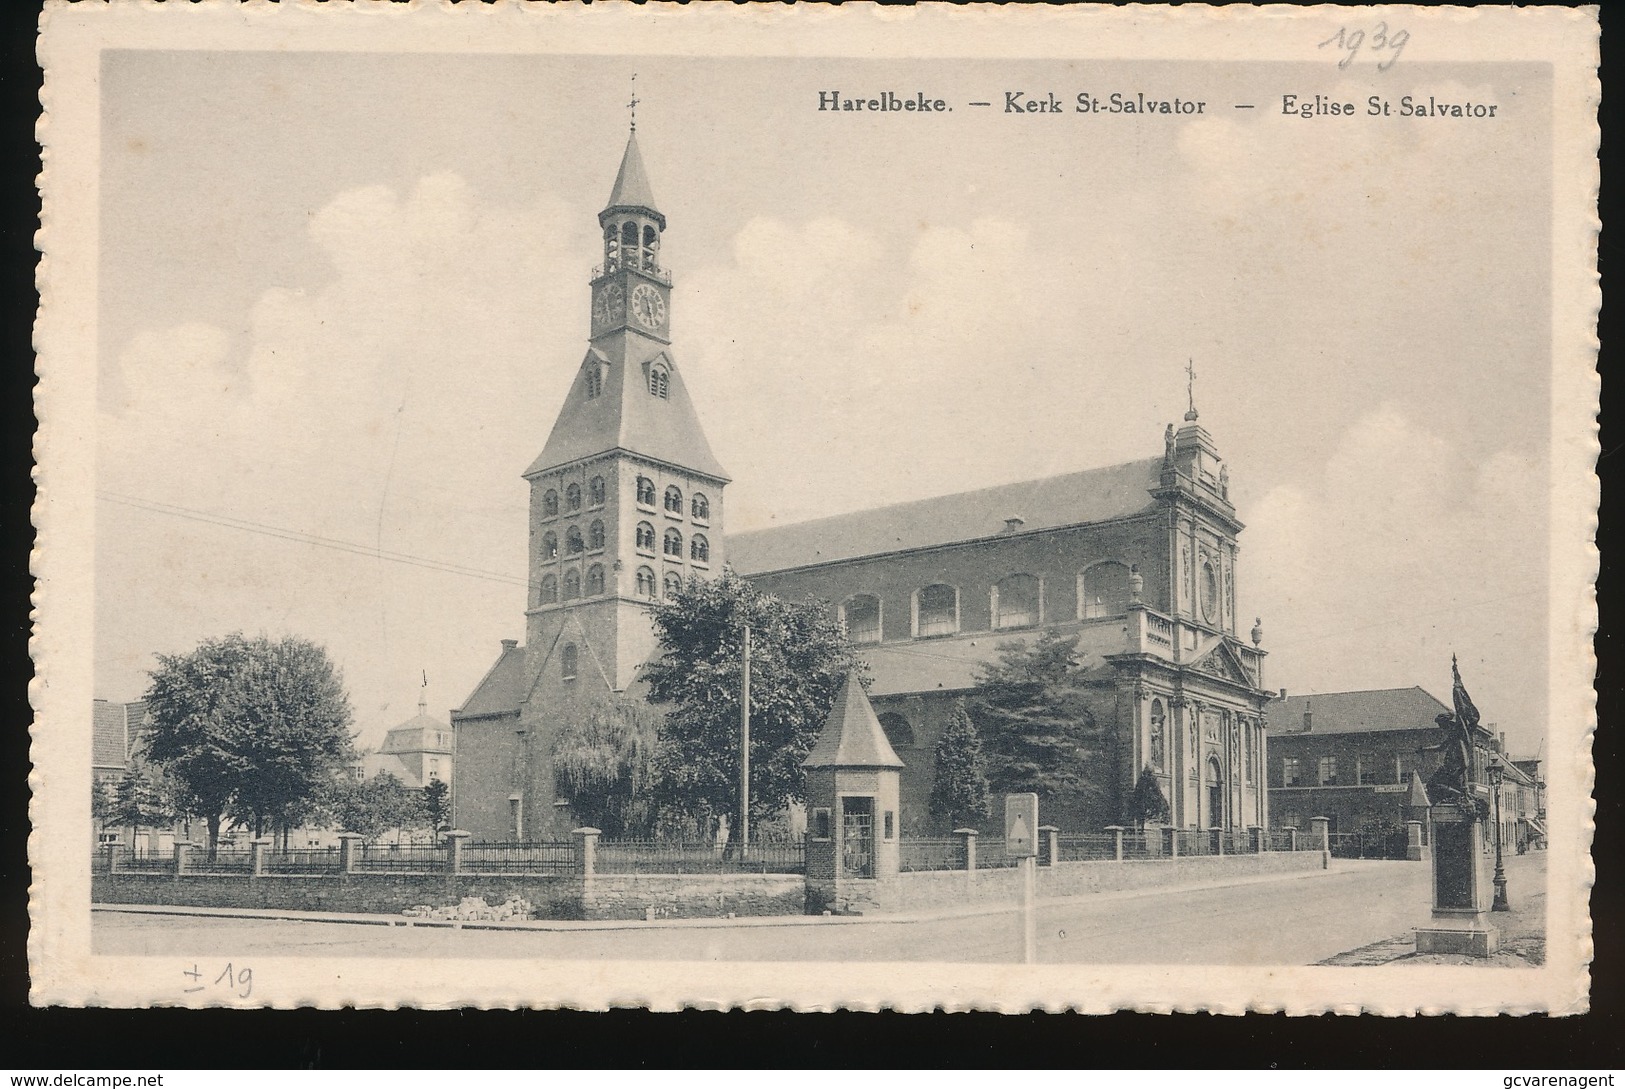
(1190, 387)
(633, 104)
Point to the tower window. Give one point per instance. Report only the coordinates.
(646, 537)
(595, 534)
(550, 545)
(595, 580)
(701, 507)
(596, 491)
(550, 590)
(673, 584)
(572, 585)
(674, 544)
(938, 610)
(1103, 590)
(674, 499)
(550, 504)
(1017, 600)
(699, 549)
(646, 582)
(862, 616)
(568, 660)
(612, 247)
(572, 541)
(659, 381)
(629, 238)
(646, 492)
(572, 497)
(651, 243)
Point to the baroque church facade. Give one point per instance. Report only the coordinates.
(1137, 561)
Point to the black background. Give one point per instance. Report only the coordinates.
(66, 1040)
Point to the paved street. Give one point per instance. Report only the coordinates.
(1298, 919)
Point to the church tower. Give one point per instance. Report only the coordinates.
(626, 497)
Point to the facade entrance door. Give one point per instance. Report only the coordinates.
(857, 837)
(1215, 794)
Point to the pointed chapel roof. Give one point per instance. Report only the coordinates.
(852, 737)
(632, 189)
(626, 416)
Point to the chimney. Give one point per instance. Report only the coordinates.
(1283, 693)
(1501, 741)
(1308, 715)
(509, 644)
(1014, 523)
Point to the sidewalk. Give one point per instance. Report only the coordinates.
(751, 921)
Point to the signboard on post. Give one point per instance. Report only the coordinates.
(1021, 825)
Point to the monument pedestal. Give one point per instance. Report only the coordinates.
(1461, 887)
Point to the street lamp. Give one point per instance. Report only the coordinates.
(1500, 882)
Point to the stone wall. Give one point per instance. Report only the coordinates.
(692, 896)
(374, 893)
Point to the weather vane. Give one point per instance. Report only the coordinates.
(1190, 387)
(633, 104)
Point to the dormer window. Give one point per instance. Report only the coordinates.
(659, 382)
(674, 500)
(595, 380)
(646, 492)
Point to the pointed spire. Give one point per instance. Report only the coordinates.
(632, 184)
(852, 737)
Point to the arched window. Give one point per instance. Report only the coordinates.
(595, 534)
(646, 492)
(862, 615)
(568, 660)
(651, 245)
(550, 545)
(673, 585)
(1159, 736)
(596, 491)
(629, 239)
(550, 504)
(572, 585)
(674, 544)
(550, 590)
(646, 537)
(595, 580)
(674, 499)
(1018, 605)
(699, 549)
(572, 541)
(572, 497)
(1103, 590)
(646, 582)
(938, 610)
(898, 731)
(612, 246)
(701, 507)
(659, 381)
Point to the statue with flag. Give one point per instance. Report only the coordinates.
(1452, 783)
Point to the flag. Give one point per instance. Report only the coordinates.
(1466, 713)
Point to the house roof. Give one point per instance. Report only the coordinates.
(852, 737)
(952, 664)
(1093, 495)
(502, 687)
(377, 763)
(632, 189)
(1357, 712)
(626, 416)
(108, 739)
(414, 735)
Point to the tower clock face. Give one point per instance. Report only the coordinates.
(648, 308)
(610, 304)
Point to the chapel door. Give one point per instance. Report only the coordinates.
(857, 837)
(1215, 794)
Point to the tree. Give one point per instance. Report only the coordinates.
(140, 801)
(437, 804)
(1034, 712)
(378, 805)
(103, 803)
(251, 727)
(603, 764)
(1147, 805)
(798, 657)
(959, 786)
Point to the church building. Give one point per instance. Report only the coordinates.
(1138, 561)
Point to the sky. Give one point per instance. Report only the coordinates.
(342, 297)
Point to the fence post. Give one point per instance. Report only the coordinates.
(1218, 840)
(1258, 838)
(1050, 845)
(348, 842)
(256, 857)
(586, 851)
(181, 847)
(454, 850)
(110, 849)
(1320, 830)
(1173, 842)
(1291, 839)
(968, 837)
(1414, 851)
(1117, 840)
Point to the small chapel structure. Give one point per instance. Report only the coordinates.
(1137, 561)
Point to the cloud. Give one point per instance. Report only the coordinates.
(1399, 553)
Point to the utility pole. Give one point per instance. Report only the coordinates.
(744, 748)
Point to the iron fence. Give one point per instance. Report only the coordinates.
(553, 856)
(297, 860)
(224, 861)
(1194, 841)
(919, 855)
(677, 857)
(1378, 844)
(1280, 839)
(1141, 844)
(992, 856)
(1088, 848)
(396, 858)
